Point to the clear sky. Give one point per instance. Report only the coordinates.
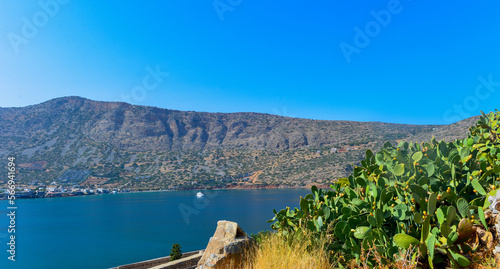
(393, 61)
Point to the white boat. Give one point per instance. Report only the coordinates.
(200, 195)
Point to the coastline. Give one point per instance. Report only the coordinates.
(150, 217)
(247, 187)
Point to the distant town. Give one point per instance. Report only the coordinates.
(51, 191)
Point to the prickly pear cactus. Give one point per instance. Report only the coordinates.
(428, 194)
(465, 229)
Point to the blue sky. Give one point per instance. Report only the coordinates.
(391, 61)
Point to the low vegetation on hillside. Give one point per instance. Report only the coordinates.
(75, 141)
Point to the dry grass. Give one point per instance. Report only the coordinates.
(483, 261)
(276, 253)
(405, 259)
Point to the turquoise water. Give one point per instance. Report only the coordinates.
(104, 231)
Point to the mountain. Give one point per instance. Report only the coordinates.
(122, 145)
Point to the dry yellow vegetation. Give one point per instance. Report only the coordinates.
(275, 253)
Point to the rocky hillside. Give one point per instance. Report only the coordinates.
(124, 143)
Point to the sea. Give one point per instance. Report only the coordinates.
(108, 230)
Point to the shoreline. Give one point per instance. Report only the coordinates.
(255, 187)
(249, 187)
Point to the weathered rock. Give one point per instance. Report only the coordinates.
(493, 218)
(495, 203)
(496, 227)
(226, 247)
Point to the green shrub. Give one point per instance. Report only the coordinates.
(427, 195)
(175, 252)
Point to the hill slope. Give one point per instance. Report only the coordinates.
(122, 145)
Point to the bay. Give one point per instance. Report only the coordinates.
(104, 231)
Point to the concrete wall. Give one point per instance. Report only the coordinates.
(163, 261)
(183, 263)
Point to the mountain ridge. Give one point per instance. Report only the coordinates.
(75, 132)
